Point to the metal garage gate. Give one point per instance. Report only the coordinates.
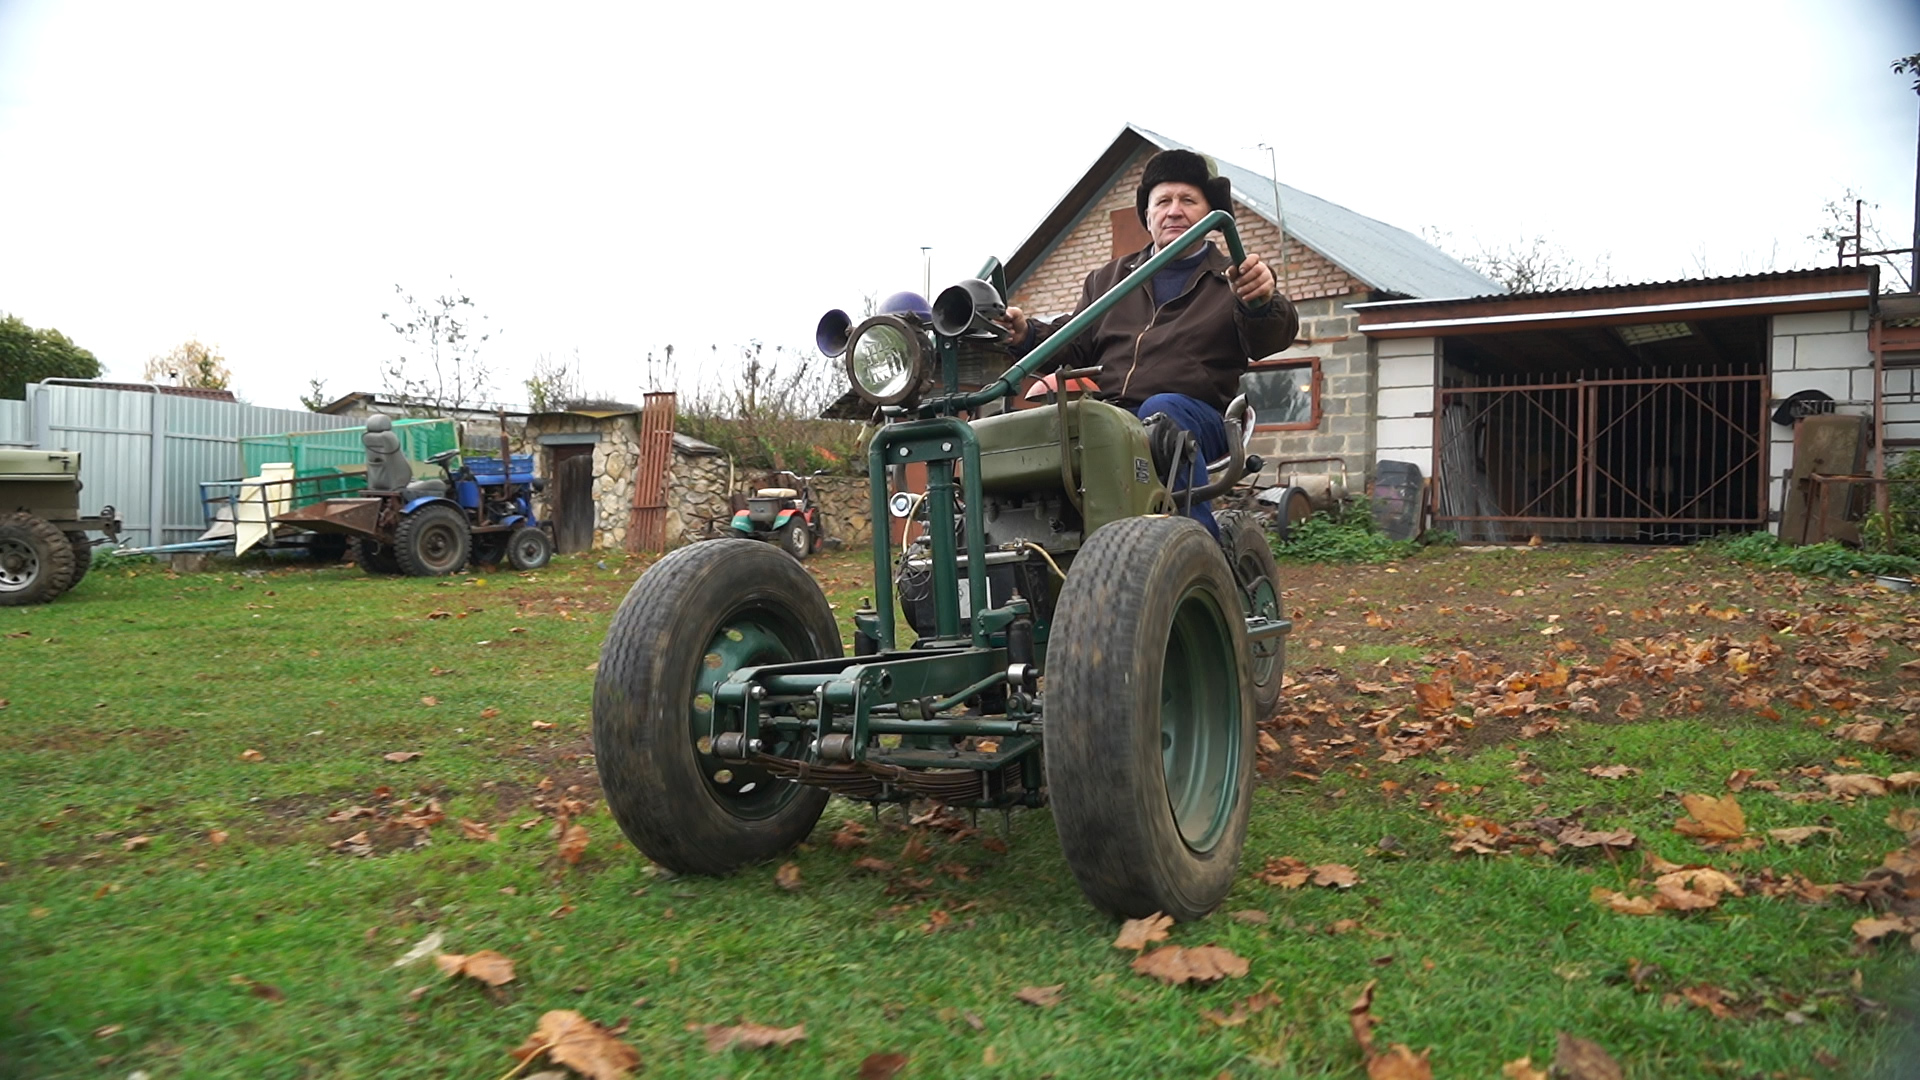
(1600, 457)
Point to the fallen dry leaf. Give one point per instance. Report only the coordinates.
(1361, 1020)
(489, 713)
(751, 1036)
(573, 844)
(1176, 965)
(477, 830)
(881, 1066)
(136, 843)
(1854, 785)
(1612, 772)
(1522, 1069)
(429, 700)
(1041, 997)
(1799, 834)
(1285, 871)
(1575, 1058)
(1624, 904)
(872, 865)
(252, 755)
(788, 877)
(1334, 875)
(1252, 917)
(1693, 889)
(570, 1039)
(402, 755)
(484, 966)
(1137, 934)
(1400, 1063)
(1244, 1009)
(541, 725)
(216, 837)
(1712, 818)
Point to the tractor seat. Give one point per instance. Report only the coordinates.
(425, 488)
(777, 493)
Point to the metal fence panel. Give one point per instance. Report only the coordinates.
(15, 427)
(142, 451)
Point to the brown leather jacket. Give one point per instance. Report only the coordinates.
(1196, 344)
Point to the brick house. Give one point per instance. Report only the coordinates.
(1316, 400)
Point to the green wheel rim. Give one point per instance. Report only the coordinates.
(745, 639)
(1200, 743)
(1263, 602)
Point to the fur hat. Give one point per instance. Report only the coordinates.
(1183, 167)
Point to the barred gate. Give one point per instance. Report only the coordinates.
(1599, 457)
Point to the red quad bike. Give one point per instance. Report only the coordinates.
(787, 516)
(1077, 642)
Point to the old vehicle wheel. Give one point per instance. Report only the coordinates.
(1149, 747)
(529, 548)
(794, 537)
(36, 561)
(374, 557)
(82, 557)
(1258, 575)
(693, 619)
(431, 541)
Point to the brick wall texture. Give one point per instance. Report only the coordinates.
(1319, 289)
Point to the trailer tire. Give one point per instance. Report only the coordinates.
(433, 541)
(694, 618)
(1258, 574)
(529, 548)
(1149, 747)
(82, 557)
(36, 561)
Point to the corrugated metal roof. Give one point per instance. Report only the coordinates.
(1812, 275)
(1388, 258)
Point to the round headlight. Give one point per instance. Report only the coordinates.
(887, 360)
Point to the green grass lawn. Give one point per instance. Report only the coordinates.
(174, 899)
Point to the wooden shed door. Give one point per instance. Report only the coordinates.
(572, 498)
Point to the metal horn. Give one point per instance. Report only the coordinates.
(830, 337)
(968, 307)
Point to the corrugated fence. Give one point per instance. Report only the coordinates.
(140, 450)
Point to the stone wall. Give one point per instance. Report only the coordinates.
(614, 454)
(697, 492)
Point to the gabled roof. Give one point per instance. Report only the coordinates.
(1388, 259)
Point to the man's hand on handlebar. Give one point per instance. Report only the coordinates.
(1252, 282)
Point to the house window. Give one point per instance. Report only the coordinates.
(1284, 394)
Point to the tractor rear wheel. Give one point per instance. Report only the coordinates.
(1245, 540)
(36, 561)
(432, 541)
(691, 621)
(529, 548)
(82, 557)
(1149, 750)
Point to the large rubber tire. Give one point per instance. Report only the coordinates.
(1149, 715)
(433, 541)
(82, 557)
(794, 538)
(694, 618)
(36, 561)
(529, 548)
(374, 557)
(1244, 538)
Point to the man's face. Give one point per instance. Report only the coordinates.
(1172, 208)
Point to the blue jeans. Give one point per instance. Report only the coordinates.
(1209, 430)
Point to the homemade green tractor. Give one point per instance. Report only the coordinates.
(1076, 646)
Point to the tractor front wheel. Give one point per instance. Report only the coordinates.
(374, 557)
(433, 541)
(529, 548)
(1149, 751)
(36, 561)
(691, 621)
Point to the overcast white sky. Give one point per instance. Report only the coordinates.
(614, 178)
